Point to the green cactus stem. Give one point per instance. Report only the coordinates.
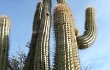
(29, 63)
(4, 41)
(89, 36)
(66, 54)
(41, 59)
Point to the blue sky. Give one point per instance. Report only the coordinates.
(22, 12)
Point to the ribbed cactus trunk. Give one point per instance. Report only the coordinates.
(66, 56)
(4, 43)
(4, 54)
(67, 39)
(41, 61)
(29, 63)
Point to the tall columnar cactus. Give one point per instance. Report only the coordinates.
(29, 63)
(4, 41)
(67, 39)
(41, 59)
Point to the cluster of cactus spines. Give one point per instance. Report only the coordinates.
(29, 63)
(41, 59)
(67, 39)
(89, 36)
(4, 43)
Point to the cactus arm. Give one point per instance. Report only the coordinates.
(36, 25)
(41, 61)
(89, 36)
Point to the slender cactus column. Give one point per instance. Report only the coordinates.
(42, 45)
(66, 55)
(29, 63)
(4, 41)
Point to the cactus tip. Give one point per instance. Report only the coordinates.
(7, 17)
(4, 16)
(40, 0)
(90, 7)
(39, 5)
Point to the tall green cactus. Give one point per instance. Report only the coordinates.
(67, 41)
(4, 41)
(29, 63)
(41, 59)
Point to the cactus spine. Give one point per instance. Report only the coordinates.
(41, 59)
(4, 41)
(29, 63)
(67, 41)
